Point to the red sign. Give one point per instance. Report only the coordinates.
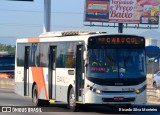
(98, 69)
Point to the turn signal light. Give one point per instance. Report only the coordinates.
(137, 91)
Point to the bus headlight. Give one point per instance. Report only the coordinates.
(141, 89)
(137, 91)
(98, 91)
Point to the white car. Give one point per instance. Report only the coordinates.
(156, 80)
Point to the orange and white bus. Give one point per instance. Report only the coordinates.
(81, 68)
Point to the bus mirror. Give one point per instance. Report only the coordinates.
(86, 58)
(84, 55)
(86, 64)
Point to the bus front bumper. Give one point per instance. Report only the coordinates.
(116, 98)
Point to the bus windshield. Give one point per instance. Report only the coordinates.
(116, 63)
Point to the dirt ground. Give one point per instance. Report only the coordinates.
(149, 81)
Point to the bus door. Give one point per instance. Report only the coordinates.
(79, 73)
(52, 73)
(26, 71)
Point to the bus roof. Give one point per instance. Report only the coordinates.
(67, 33)
(61, 36)
(57, 36)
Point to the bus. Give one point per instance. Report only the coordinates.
(78, 67)
(7, 65)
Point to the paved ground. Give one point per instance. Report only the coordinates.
(10, 99)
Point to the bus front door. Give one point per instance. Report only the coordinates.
(52, 76)
(26, 71)
(79, 73)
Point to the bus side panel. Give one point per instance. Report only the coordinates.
(64, 78)
(45, 74)
(39, 79)
(19, 80)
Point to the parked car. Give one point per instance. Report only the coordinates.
(156, 80)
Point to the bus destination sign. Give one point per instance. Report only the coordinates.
(120, 40)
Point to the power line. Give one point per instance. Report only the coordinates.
(15, 24)
(38, 25)
(59, 12)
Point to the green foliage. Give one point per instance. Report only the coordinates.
(7, 48)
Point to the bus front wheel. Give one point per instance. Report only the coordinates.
(72, 101)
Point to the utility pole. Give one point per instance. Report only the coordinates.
(120, 27)
(47, 16)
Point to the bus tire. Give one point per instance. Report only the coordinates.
(35, 100)
(72, 101)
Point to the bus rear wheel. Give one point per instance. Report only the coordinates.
(36, 101)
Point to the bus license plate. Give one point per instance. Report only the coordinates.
(118, 98)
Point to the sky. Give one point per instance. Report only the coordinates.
(25, 19)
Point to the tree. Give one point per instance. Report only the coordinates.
(7, 48)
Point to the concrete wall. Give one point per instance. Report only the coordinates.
(7, 83)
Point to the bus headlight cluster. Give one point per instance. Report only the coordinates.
(97, 91)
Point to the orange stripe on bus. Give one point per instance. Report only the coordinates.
(33, 39)
(38, 77)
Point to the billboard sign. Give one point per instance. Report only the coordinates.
(123, 11)
(97, 11)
